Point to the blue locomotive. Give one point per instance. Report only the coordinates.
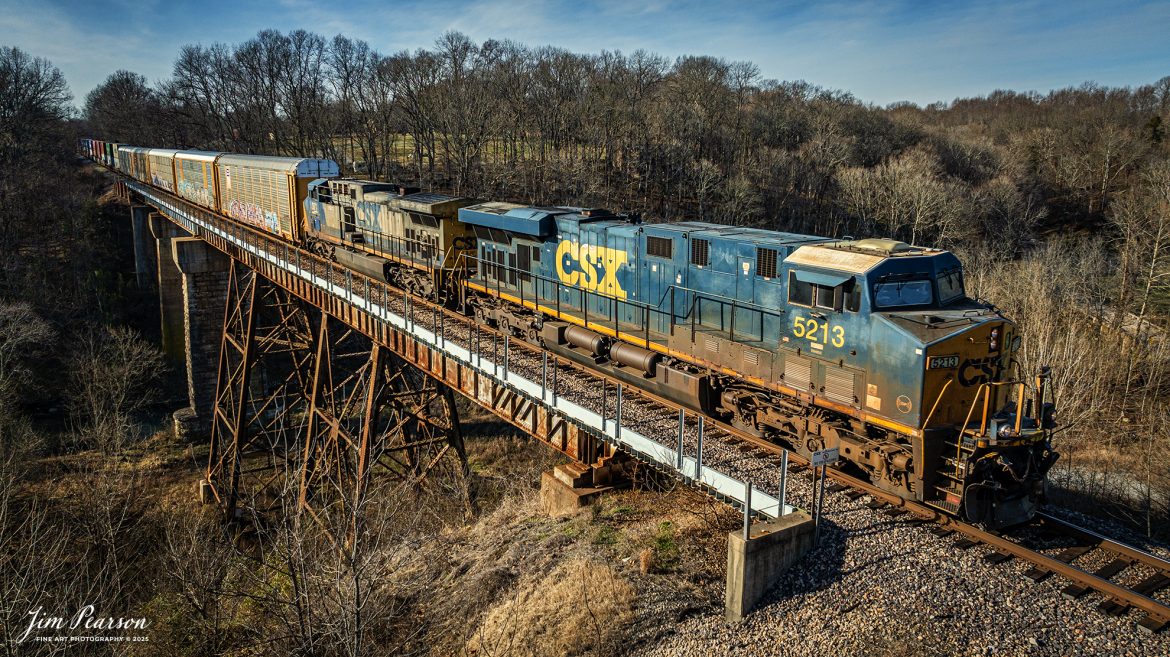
(871, 346)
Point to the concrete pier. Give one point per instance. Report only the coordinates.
(170, 293)
(568, 489)
(754, 565)
(204, 273)
(145, 254)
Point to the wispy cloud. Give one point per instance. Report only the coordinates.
(880, 51)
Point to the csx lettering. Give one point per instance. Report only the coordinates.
(977, 371)
(591, 267)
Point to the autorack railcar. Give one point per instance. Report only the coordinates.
(269, 192)
(132, 161)
(110, 154)
(161, 168)
(195, 177)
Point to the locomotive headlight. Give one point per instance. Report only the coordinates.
(993, 341)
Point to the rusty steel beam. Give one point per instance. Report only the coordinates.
(317, 401)
(264, 352)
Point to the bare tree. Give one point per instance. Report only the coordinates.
(112, 378)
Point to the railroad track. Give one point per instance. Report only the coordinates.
(1119, 562)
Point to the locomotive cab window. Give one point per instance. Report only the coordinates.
(950, 286)
(815, 295)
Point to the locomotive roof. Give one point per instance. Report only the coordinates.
(706, 230)
(431, 202)
(511, 217)
(856, 256)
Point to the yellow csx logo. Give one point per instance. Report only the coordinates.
(591, 267)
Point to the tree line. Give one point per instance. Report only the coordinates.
(693, 138)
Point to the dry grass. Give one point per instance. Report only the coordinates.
(581, 607)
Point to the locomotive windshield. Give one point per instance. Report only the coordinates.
(909, 290)
(903, 293)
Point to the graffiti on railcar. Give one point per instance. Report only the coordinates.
(253, 214)
(162, 183)
(196, 193)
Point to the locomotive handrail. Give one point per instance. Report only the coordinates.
(926, 423)
(523, 276)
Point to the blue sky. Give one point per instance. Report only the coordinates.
(881, 51)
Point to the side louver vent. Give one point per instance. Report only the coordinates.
(797, 372)
(840, 385)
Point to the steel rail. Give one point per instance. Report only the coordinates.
(1108, 544)
(1158, 612)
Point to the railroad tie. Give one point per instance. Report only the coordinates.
(1153, 624)
(1073, 591)
(966, 543)
(1038, 574)
(996, 557)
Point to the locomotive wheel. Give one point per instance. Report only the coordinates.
(325, 251)
(814, 444)
(480, 315)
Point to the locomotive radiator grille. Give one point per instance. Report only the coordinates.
(797, 372)
(840, 385)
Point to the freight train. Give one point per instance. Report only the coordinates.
(869, 346)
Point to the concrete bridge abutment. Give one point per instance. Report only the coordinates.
(203, 289)
(755, 563)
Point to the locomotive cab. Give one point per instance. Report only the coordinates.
(937, 369)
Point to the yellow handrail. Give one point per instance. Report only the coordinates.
(936, 401)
